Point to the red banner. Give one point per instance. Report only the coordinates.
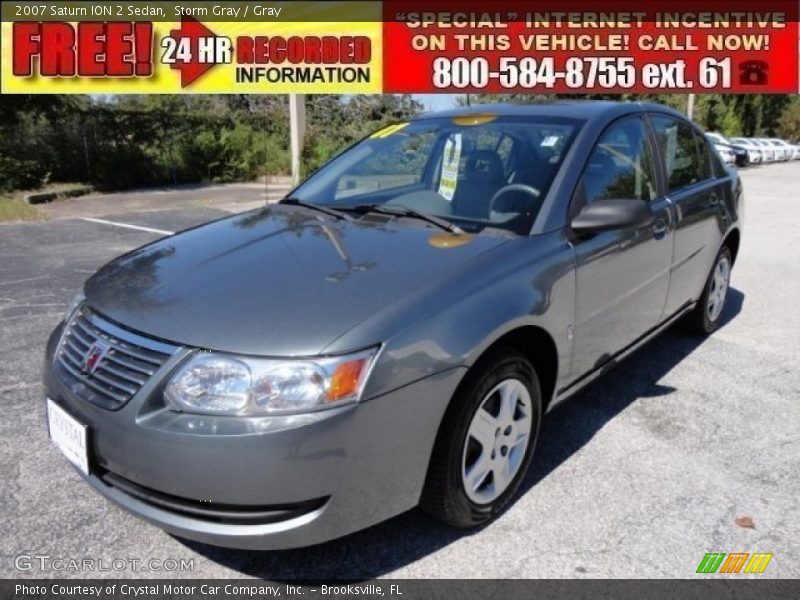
(572, 47)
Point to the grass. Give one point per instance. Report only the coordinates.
(63, 187)
(14, 208)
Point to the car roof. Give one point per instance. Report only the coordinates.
(570, 109)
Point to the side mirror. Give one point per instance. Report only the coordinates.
(613, 213)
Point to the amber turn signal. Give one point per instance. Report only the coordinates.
(346, 379)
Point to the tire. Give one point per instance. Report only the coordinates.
(502, 373)
(706, 317)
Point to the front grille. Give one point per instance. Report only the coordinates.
(126, 360)
(212, 511)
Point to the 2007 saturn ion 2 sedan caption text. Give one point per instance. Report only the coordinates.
(391, 333)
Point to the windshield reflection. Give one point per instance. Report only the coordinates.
(475, 173)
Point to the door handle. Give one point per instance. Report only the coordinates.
(659, 228)
(713, 200)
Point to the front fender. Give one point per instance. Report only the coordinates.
(527, 282)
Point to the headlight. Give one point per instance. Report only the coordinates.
(220, 384)
(76, 301)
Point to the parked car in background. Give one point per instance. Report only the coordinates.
(391, 333)
(726, 153)
(787, 151)
(778, 153)
(740, 156)
(754, 152)
(770, 153)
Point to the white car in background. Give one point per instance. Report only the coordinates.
(786, 150)
(722, 147)
(741, 158)
(725, 153)
(754, 151)
(770, 152)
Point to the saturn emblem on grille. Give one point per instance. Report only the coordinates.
(93, 356)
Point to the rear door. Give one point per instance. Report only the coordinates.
(696, 185)
(622, 275)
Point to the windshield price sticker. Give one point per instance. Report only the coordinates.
(549, 141)
(558, 47)
(387, 131)
(450, 162)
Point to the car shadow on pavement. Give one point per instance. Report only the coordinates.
(406, 538)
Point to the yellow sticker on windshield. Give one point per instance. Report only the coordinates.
(449, 178)
(387, 131)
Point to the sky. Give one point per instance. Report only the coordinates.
(438, 101)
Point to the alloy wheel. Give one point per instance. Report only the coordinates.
(719, 289)
(496, 442)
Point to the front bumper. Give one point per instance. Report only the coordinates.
(325, 474)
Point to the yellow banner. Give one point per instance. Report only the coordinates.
(192, 56)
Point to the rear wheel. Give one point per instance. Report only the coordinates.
(486, 441)
(707, 315)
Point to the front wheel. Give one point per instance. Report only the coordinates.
(486, 441)
(707, 315)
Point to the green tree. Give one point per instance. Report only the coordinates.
(731, 125)
(789, 123)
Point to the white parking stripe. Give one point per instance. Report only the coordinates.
(127, 226)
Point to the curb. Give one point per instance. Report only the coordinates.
(44, 197)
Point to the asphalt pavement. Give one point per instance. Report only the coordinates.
(638, 476)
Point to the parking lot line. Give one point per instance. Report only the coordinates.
(127, 226)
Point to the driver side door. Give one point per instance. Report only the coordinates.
(622, 275)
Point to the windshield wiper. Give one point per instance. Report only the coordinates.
(331, 212)
(404, 211)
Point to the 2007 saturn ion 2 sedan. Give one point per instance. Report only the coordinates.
(391, 333)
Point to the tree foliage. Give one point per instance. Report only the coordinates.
(138, 140)
(752, 115)
(142, 140)
(789, 122)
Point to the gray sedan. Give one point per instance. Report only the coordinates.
(391, 333)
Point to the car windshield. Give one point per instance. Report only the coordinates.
(474, 171)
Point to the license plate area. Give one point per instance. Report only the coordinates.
(69, 435)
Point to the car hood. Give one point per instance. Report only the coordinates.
(280, 281)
